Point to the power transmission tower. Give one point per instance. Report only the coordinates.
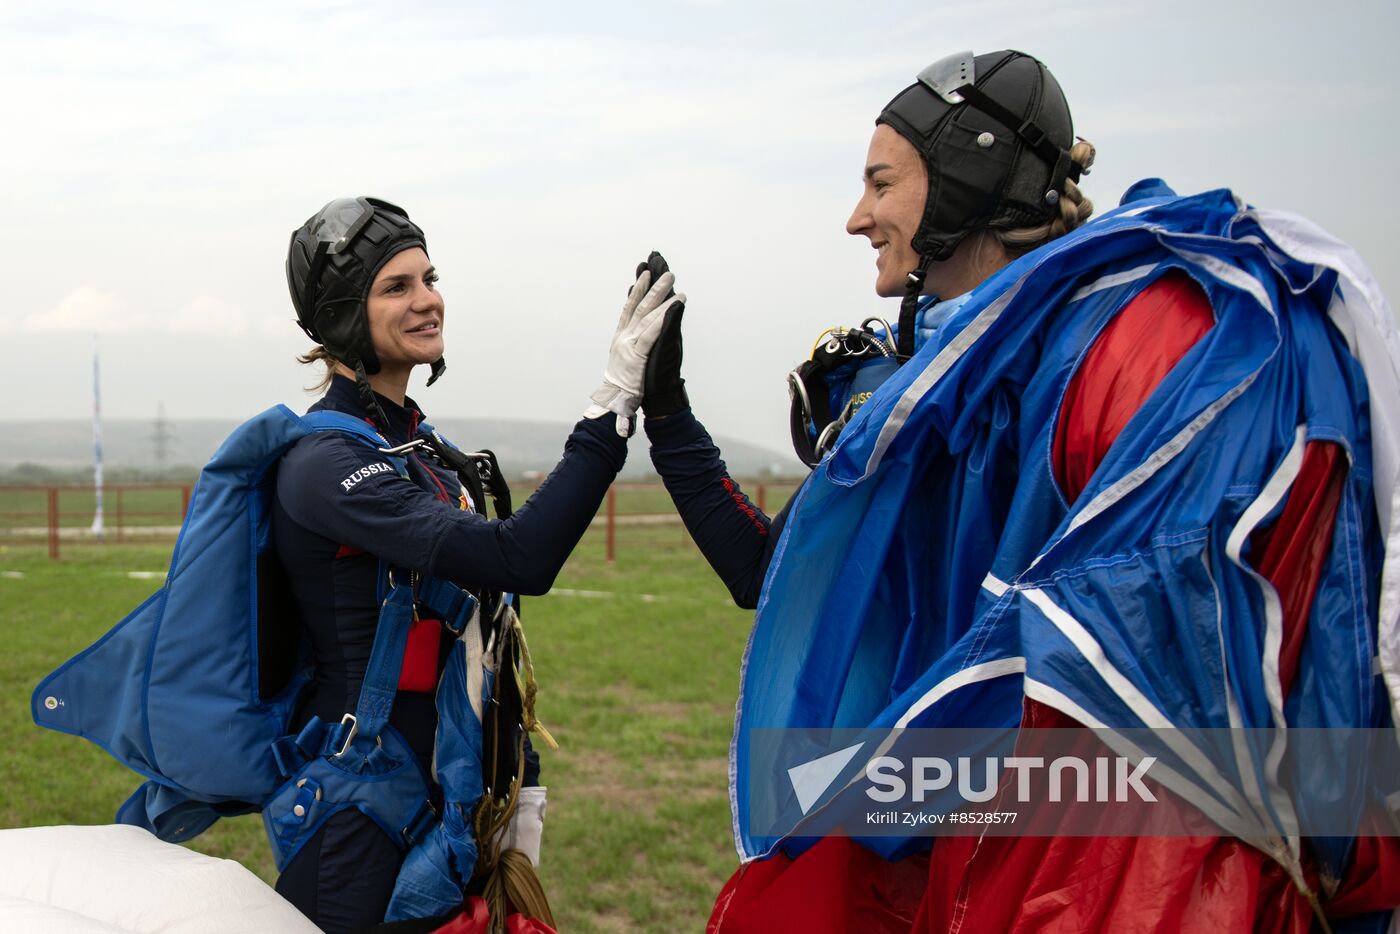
(161, 438)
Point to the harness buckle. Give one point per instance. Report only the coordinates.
(350, 738)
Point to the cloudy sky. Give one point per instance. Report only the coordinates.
(157, 155)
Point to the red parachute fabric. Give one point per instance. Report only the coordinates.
(837, 885)
(1134, 353)
(476, 919)
(1026, 884)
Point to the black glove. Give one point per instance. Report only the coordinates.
(663, 390)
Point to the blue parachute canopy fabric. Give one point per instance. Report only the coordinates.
(435, 871)
(932, 574)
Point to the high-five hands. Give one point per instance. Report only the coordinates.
(663, 390)
(643, 315)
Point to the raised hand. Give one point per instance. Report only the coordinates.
(643, 315)
(663, 389)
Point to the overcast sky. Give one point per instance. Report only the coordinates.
(157, 155)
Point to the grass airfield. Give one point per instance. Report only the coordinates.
(637, 663)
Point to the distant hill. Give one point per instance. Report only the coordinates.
(520, 446)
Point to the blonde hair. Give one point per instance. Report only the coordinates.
(319, 354)
(1075, 209)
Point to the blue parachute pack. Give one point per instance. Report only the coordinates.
(195, 688)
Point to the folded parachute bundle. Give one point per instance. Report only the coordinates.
(195, 688)
(117, 879)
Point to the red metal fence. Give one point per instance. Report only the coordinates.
(62, 516)
(58, 515)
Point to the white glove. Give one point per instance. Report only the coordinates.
(637, 329)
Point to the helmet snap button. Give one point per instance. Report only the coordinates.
(1052, 198)
(985, 139)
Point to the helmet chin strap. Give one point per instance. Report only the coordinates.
(368, 397)
(909, 309)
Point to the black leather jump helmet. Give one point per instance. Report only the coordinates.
(332, 261)
(995, 132)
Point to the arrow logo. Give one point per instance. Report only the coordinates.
(811, 779)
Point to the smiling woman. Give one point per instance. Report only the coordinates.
(890, 208)
(388, 724)
(405, 313)
(1057, 401)
(405, 316)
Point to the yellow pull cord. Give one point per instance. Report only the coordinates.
(530, 691)
(515, 883)
(509, 877)
(1316, 906)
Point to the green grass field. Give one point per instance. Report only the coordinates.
(639, 691)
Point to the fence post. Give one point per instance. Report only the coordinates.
(612, 524)
(763, 498)
(121, 517)
(53, 522)
(184, 503)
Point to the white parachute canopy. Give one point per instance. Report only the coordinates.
(118, 878)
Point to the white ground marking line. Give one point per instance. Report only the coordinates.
(145, 575)
(603, 594)
(12, 575)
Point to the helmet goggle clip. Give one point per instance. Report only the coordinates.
(949, 75)
(340, 222)
(336, 227)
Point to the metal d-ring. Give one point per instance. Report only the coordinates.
(827, 436)
(302, 783)
(797, 388)
(885, 348)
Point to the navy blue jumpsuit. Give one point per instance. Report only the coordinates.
(340, 509)
(732, 533)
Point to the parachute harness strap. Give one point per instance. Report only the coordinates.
(813, 428)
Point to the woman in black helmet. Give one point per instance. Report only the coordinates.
(349, 516)
(970, 185)
(1000, 197)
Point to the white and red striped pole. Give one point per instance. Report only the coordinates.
(96, 441)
